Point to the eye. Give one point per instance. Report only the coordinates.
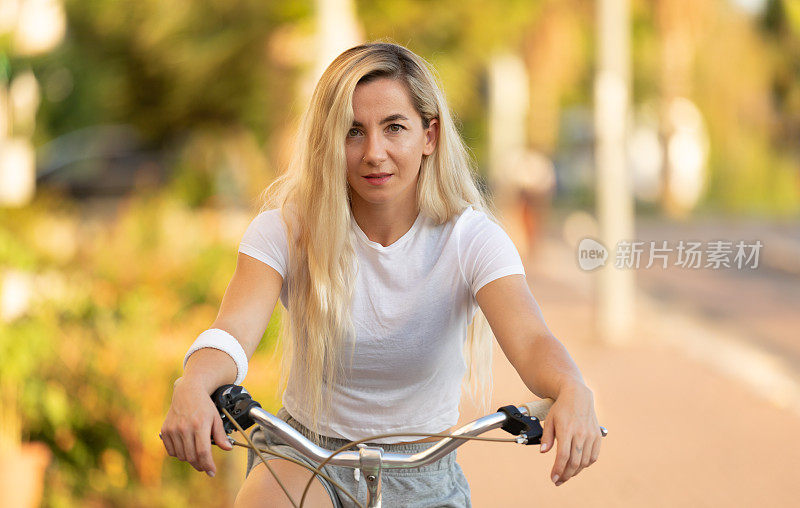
(395, 127)
(352, 132)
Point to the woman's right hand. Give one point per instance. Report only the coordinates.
(191, 422)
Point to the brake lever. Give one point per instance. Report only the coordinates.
(528, 430)
(238, 402)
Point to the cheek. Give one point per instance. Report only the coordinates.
(352, 177)
(412, 155)
(353, 160)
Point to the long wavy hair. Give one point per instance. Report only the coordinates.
(313, 196)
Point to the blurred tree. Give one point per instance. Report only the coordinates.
(714, 55)
(780, 24)
(750, 170)
(182, 74)
(557, 51)
(169, 68)
(193, 73)
(96, 353)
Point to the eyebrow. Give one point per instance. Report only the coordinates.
(390, 118)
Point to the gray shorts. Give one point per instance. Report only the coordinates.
(441, 483)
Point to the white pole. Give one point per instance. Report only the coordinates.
(616, 287)
(338, 29)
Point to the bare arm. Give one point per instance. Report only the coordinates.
(244, 313)
(547, 370)
(542, 362)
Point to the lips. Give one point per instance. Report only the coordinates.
(378, 178)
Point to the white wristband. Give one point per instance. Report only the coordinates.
(224, 341)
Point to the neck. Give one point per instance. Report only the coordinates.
(385, 223)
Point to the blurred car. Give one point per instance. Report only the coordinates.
(99, 161)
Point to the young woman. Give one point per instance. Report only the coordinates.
(381, 248)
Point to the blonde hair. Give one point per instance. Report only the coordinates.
(313, 197)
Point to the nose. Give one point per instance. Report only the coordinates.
(374, 150)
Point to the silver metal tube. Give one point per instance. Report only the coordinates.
(288, 435)
(445, 446)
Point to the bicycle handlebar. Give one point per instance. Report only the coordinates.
(538, 408)
(239, 410)
(522, 421)
(296, 440)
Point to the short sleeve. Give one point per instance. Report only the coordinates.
(486, 252)
(265, 240)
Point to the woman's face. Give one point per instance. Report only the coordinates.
(385, 144)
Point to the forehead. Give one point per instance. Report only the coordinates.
(382, 96)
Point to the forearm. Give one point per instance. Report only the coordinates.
(209, 368)
(546, 368)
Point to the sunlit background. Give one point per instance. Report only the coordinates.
(136, 136)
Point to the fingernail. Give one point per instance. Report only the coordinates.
(559, 483)
(544, 447)
(210, 473)
(555, 478)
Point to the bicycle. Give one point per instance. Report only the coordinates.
(239, 411)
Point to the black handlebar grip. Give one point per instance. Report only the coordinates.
(526, 427)
(237, 401)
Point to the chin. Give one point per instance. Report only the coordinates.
(374, 200)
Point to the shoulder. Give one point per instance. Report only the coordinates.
(265, 240)
(468, 216)
(485, 251)
(270, 217)
(270, 222)
(473, 223)
(268, 227)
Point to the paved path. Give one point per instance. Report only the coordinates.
(762, 303)
(681, 433)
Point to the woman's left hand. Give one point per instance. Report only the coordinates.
(573, 423)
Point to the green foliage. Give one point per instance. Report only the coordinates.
(97, 352)
(781, 29)
(168, 68)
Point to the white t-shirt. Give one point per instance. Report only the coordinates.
(412, 303)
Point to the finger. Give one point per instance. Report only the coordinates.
(202, 442)
(218, 432)
(585, 456)
(177, 443)
(592, 451)
(563, 444)
(575, 457)
(167, 440)
(595, 450)
(548, 435)
(187, 438)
